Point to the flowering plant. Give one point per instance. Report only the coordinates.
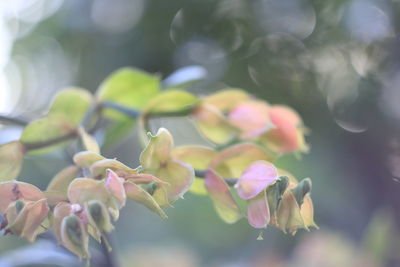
(83, 200)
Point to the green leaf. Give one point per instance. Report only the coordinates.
(138, 194)
(169, 101)
(88, 141)
(62, 179)
(199, 157)
(117, 132)
(234, 160)
(129, 87)
(157, 151)
(213, 125)
(226, 99)
(11, 158)
(49, 128)
(85, 159)
(72, 103)
(179, 177)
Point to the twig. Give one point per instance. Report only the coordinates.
(201, 174)
(13, 120)
(110, 258)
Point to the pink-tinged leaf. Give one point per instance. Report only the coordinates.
(115, 186)
(13, 190)
(224, 203)
(62, 210)
(226, 99)
(251, 117)
(307, 212)
(99, 168)
(258, 176)
(157, 151)
(85, 159)
(199, 157)
(178, 176)
(27, 221)
(37, 213)
(287, 136)
(83, 189)
(258, 211)
(233, 161)
(289, 216)
(212, 124)
(138, 194)
(279, 112)
(143, 178)
(55, 197)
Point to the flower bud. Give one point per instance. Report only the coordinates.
(98, 216)
(74, 236)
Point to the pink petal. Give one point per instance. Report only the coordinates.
(255, 179)
(251, 117)
(258, 211)
(115, 186)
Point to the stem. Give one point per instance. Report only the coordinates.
(201, 174)
(72, 135)
(38, 145)
(110, 259)
(133, 113)
(13, 120)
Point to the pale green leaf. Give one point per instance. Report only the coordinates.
(11, 158)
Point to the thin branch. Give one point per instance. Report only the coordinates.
(109, 255)
(55, 141)
(13, 120)
(201, 174)
(133, 113)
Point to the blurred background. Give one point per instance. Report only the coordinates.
(336, 62)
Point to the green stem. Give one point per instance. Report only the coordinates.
(201, 174)
(55, 141)
(13, 120)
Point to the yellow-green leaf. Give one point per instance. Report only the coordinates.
(179, 177)
(138, 194)
(88, 141)
(157, 151)
(85, 159)
(212, 124)
(71, 103)
(128, 87)
(172, 100)
(11, 158)
(62, 179)
(52, 127)
(222, 197)
(226, 99)
(233, 161)
(199, 157)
